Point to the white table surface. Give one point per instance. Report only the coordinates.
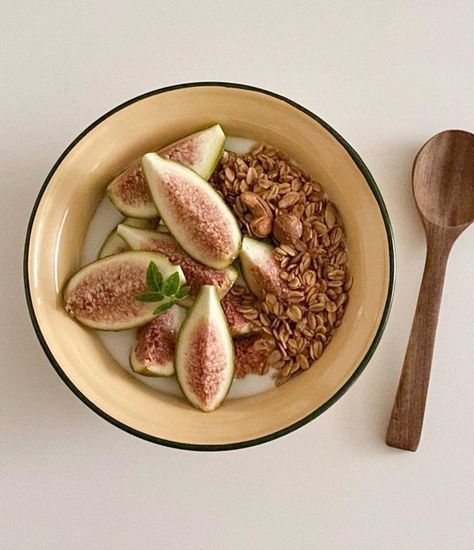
(387, 75)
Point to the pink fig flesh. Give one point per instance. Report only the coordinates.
(155, 344)
(249, 360)
(108, 294)
(205, 353)
(133, 189)
(206, 362)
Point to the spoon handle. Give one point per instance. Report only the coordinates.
(406, 422)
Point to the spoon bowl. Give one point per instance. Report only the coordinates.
(443, 179)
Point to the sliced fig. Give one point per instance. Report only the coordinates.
(193, 212)
(205, 353)
(259, 268)
(196, 274)
(102, 295)
(250, 359)
(200, 151)
(155, 344)
(113, 244)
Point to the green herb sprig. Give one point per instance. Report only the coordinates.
(159, 289)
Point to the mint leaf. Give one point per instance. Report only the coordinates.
(182, 292)
(149, 297)
(158, 278)
(163, 307)
(171, 285)
(154, 278)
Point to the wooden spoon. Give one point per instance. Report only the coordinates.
(443, 185)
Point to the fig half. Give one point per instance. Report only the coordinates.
(196, 274)
(259, 268)
(200, 151)
(102, 295)
(153, 351)
(193, 212)
(205, 353)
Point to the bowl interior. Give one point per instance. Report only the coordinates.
(69, 202)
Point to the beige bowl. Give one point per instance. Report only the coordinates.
(67, 203)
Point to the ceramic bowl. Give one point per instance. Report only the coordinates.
(66, 205)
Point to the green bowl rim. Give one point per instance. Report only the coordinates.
(279, 433)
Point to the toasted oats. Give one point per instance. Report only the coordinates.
(301, 246)
(320, 227)
(274, 357)
(296, 325)
(330, 215)
(284, 188)
(348, 284)
(303, 362)
(270, 299)
(341, 299)
(288, 250)
(335, 284)
(264, 344)
(294, 296)
(295, 313)
(290, 198)
(286, 370)
(251, 316)
(280, 380)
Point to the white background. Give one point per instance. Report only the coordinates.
(387, 75)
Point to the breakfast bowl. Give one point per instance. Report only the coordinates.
(68, 202)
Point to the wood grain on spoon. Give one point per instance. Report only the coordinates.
(443, 185)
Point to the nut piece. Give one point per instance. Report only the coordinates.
(261, 225)
(258, 207)
(287, 228)
(290, 198)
